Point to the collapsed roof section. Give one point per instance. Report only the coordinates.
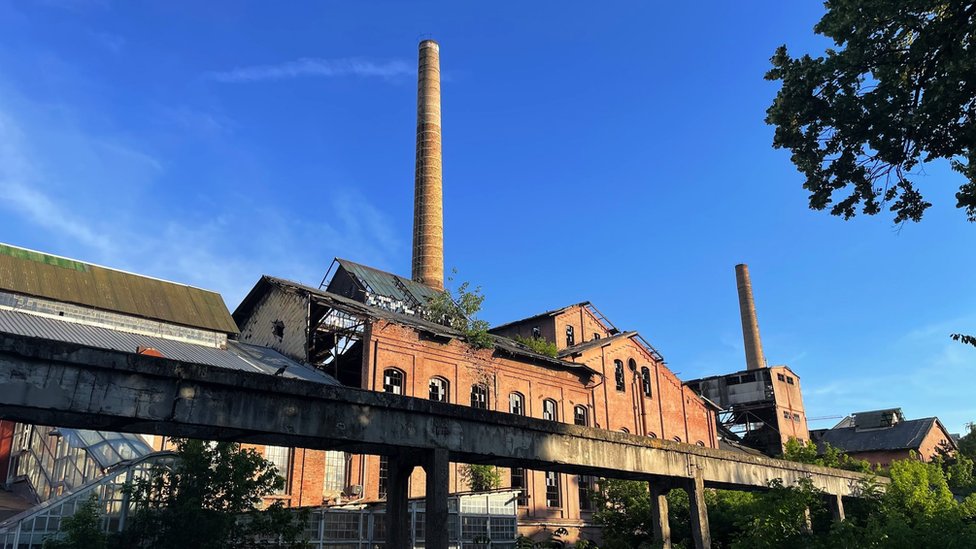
(335, 326)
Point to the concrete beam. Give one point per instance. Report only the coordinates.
(55, 383)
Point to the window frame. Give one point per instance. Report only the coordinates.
(645, 374)
(585, 415)
(446, 387)
(513, 398)
(403, 380)
(570, 335)
(550, 408)
(485, 400)
(553, 490)
(619, 377)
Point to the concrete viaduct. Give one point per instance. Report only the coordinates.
(55, 383)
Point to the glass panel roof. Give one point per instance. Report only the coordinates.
(105, 447)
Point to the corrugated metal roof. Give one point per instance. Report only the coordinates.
(237, 356)
(389, 284)
(38, 274)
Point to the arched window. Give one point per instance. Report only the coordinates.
(549, 410)
(570, 336)
(393, 381)
(618, 374)
(516, 404)
(652, 434)
(580, 415)
(701, 443)
(624, 430)
(536, 332)
(479, 396)
(646, 380)
(439, 389)
(677, 439)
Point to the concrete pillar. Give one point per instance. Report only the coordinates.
(699, 511)
(807, 522)
(659, 514)
(836, 505)
(397, 503)
(438, 472)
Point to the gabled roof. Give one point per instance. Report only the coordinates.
(592, 344)
(387, 284)
(904, 435)
(46, 276)
(553, 312)
(503, 345)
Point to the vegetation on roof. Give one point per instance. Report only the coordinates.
(457, 310)
(539, 345)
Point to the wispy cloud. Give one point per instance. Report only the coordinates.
(316, 67)
(70, 190)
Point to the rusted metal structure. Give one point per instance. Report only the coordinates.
(760, 407)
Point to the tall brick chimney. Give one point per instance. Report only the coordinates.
(428, 203)
(750, 324)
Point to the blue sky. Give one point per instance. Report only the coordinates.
(606, 152)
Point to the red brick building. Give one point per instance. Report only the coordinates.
(366, 330)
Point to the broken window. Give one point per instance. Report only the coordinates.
(518, 483)
(796, 417)
(780, 377)
(439, 389)
(570, 336)
(280, 456)
(384, 473)
(646, 380)
(786, 415)
(618, 374)
(677, 439)
(652, 434)
(596, 335)
(789, 380)
(624, 430)
(552, 489)
(479, 396)
(516, 404)
(549, 410)
(580, 416)
(393, 381)
(585, 492)
(536, 332)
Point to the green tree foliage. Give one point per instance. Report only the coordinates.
(897, 90)
(481, 478)
(209, 500)
(917, 510)
(540, 345)
(83, 530)
(458, 311)
(808, 452)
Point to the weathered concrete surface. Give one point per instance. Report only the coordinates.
(74, 386)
